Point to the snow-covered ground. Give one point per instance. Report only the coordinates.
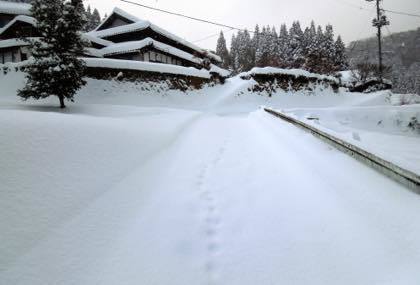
(135, 186)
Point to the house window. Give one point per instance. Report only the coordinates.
(158, 57)
(147, 56)
(152, 56)
(7, 57)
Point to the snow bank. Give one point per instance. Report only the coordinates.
(146, 66)
(390, 132)
(294, 72)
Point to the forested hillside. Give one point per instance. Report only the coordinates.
(401, 53)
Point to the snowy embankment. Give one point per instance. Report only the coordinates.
(380, 125)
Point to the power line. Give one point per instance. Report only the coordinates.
(182, 15)
(211, 36)
(359, 7)
(402, 13)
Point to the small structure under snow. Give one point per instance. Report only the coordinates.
(120, 36)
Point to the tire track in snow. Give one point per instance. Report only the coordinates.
(212, 219)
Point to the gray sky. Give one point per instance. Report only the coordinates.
(349, 21)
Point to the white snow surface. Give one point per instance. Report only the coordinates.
(135, 186)
(14, 8)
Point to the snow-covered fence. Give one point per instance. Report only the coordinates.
(393, 171)
(271, 79)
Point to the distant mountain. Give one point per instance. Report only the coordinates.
(401, 52)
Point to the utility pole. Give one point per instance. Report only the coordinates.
(380, 21)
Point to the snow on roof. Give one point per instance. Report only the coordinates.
(93, 52)
(294, 72)
(99, 41)
(213, 56)
(142, 25)
(20, 18)
(121, 13)
(14, 8)
(222, 72)
(146, 66)
(137, 45)
(13, 43)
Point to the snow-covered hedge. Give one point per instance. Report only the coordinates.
(270, 79)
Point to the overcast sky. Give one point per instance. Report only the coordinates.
(348, 20)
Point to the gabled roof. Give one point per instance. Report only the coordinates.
(21, 18)
(128, 47)
(14, 8)
(117, 11)
(142, 25)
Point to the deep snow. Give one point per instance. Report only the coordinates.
(136, 186)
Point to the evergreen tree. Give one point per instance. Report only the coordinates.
(255, 44)
(327, 46)
(234, 54)
(283, 49)
(296, 57)
(56, 70)
(244, 51)
(340, 58)
(263, 52)
(274, 48)
(95, 20)
(312, 47)
(222, 51)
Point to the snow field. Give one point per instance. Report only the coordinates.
(197, 188)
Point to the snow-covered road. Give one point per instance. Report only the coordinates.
(235, 200)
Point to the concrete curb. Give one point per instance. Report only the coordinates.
(395, 172)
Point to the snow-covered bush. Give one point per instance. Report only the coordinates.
(270, 80)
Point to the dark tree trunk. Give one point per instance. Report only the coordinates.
(61, 97)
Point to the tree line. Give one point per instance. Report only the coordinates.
(314, 49)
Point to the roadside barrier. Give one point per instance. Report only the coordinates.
(395, 172)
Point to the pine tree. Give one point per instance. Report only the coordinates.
(95, 20)
(312, 47)
(283, 49)
(56, 70)
(262, 55)
(296, 57)
(255, 44)
(327, 51)
(222, 51)
(234, 54)
(340, 58)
